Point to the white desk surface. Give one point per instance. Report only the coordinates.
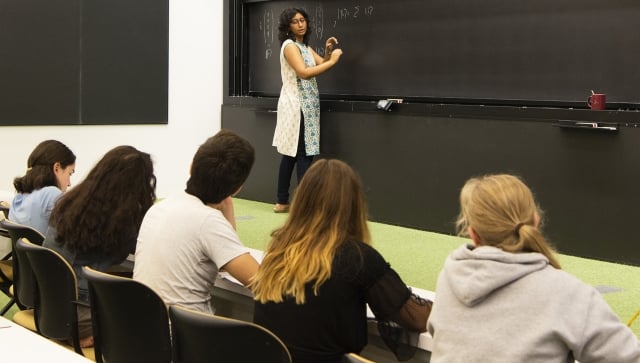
(18, 344)
(227, 282)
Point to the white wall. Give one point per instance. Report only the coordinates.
(195, 98)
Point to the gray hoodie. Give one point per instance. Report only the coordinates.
(496, 306)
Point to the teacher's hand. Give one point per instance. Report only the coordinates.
(330, 44)
(335, 55)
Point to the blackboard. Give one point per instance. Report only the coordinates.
(84, 62)
(514, 52)
(39, 61)
(125, 57)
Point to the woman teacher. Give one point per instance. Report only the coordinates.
(297, 134)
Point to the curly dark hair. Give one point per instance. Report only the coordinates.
(40, 166)
(102, 214)
(285, 22)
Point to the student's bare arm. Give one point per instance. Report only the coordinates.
(243, 268)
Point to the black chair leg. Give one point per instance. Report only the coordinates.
(8, 306)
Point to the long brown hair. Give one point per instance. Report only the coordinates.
(327, 210)
(503, 213)
(103, 213)
(40, 166)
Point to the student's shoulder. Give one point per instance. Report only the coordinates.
(191, 209)
(50, 190)
(47, 194)
(358, 250)
(562, 283)
(174, 206)
(179, 200)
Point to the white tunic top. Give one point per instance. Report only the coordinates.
(297, 95)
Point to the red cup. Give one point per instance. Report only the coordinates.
(597, 101)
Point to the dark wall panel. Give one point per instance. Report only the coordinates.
(83, 62)
(413, 166)
(39, 61)
(125, 47)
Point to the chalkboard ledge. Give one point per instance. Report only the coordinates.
(622, 118)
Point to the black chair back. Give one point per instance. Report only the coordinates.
(203, 338)
(56, 293)
(23, 279)
(6, 272)
(130, 321)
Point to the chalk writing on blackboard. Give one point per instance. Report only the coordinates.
(267, 27)
(517, 52)
(343, 15)
(319, 22)
(352, 13)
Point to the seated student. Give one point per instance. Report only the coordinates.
(505, 298)
(96, 223)
(186, 239)
(49, 170)
(319, 271)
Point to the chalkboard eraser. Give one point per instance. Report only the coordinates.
(587, 125)
(385, 105)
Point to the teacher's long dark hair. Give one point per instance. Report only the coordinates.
(285, 20)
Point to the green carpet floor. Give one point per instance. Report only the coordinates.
(418, 256)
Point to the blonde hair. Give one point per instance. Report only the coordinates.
(502, 212)
(327, 210)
